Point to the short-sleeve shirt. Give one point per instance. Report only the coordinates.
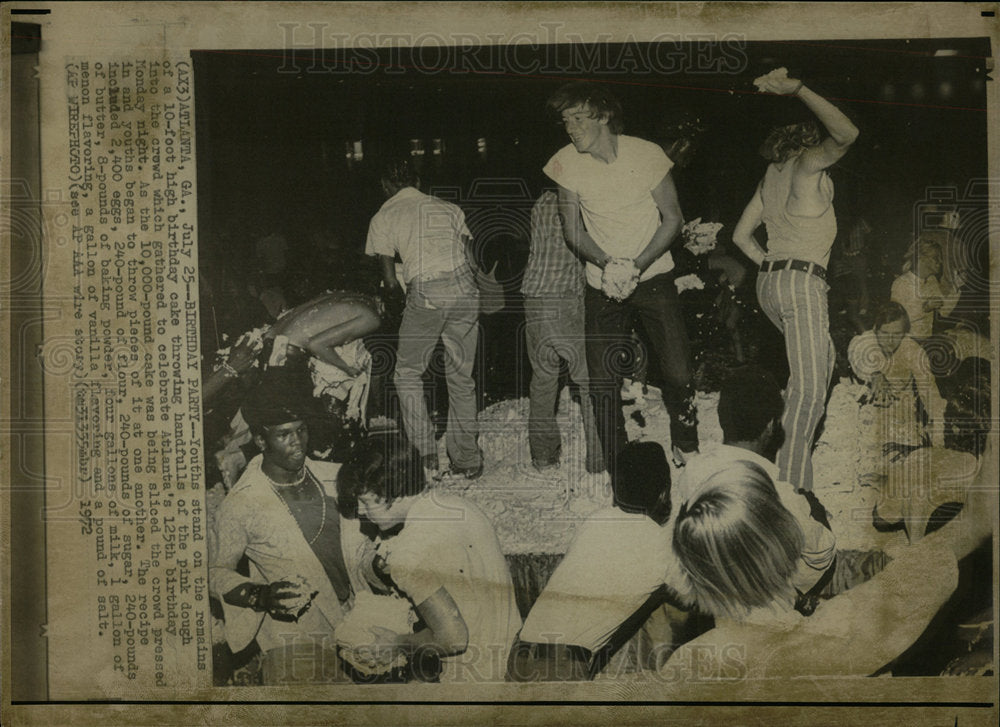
(425, 231)
(553, 270)
(616, 199)
(616, 561)
(447, 542)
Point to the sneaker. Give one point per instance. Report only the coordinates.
(432, 468)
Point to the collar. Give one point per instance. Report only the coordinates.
(406, 193)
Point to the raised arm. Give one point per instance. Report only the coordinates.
(671, 219)
(749, 221)
(842, 132)
(577, 237)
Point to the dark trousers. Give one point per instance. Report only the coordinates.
(656, 306)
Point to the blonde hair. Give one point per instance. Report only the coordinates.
(737, 543)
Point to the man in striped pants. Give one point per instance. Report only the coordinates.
(794, 201)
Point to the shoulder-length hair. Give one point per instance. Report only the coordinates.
(386, 465)
(737, 543)
(783, 141)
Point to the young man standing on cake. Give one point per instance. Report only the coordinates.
(621, 214)
(794, 202)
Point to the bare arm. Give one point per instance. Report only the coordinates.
(671, 219)
(974, 525)
(240, 359)
(388, 265)
(577, 237)
(322, 345)
(842, 131)
(749, 221)
(446, 633)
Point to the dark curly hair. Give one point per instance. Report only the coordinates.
(749, 400)
(891, 311)
(400, 173)
(783, 141)
(386, 465)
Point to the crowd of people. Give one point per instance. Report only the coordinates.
(737, 551)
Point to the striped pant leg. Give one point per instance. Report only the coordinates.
(796, 302)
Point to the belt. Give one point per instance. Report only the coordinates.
(804, 266)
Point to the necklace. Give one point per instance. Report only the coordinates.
(322, 499)
(277, 485)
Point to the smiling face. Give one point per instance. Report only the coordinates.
(889, 335)
(585, 127)
(284, 446)
(385, 515)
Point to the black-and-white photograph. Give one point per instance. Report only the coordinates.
(596, 361)
(499, 363)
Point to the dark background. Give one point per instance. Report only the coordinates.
(273, 129)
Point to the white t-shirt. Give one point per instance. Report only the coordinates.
(615, 562)
(448, 542)
(616, 201)
(425, 231)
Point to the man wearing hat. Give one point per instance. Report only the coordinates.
(608, 582)
(282, 514)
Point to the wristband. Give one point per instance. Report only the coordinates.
(797, 89)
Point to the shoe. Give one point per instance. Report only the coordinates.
(469, 473)
(542, 467)
(432, 468)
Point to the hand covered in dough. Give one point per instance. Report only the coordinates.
(619, 278)
(777, 81)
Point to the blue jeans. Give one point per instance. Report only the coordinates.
(554, 331)
(441, 308)
(656, 305)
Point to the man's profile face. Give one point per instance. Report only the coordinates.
(890, 335)
(385, 515)
(284, 445)
(928, 261)
(584, 126)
